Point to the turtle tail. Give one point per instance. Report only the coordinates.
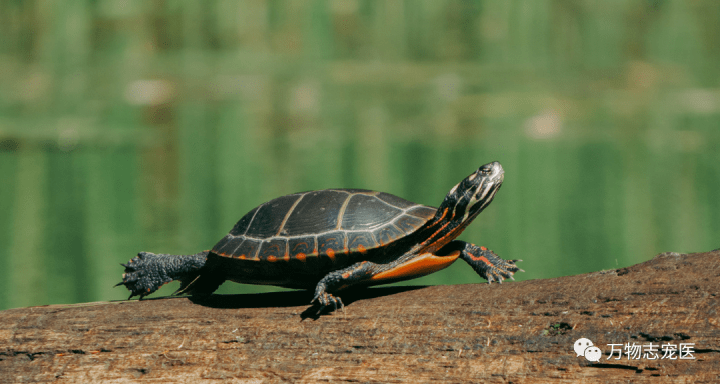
(200, 285)
(147, 272)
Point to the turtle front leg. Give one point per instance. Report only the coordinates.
(485, 262)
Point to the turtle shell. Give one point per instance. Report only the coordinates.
(317, 232)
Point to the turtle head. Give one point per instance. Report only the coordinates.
(468, 198)
(462, 204)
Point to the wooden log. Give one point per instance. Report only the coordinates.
(522, 331)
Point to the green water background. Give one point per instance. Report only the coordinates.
(133, 125)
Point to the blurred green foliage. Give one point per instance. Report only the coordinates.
(155, 125)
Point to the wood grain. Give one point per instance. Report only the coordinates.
(514, 332)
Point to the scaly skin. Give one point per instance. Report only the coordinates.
(484, 261)
(147, 272)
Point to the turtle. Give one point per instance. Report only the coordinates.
(333, 239)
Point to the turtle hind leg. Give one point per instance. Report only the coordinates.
(147, 272)
(485, 262)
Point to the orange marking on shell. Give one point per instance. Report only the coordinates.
(419, 266)
(272, 259)
(331, 253)
(301, 256)
(390, 239)
(242, 257)
(286, 257)
(361, 248)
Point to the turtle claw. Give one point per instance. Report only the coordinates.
(488, 265)
(324, 299)
(141, 276)
(515, 267)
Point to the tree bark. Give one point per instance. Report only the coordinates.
(522, 331)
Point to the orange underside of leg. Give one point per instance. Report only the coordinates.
(419, 266)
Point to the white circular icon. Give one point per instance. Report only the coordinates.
(593, 353)
(581, 345)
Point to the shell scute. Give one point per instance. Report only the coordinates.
(249, 249)
(273, 249)
(228, 244)
(361, 241)
(409, 223)
(365, 212)
(331, 243)
(395, 201)
(270, 216)
(303, 246)
(422, 211)
(317, 212)
(388, 234)
(242, 225)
